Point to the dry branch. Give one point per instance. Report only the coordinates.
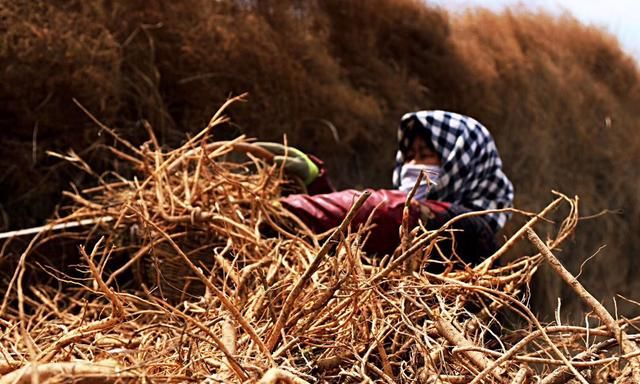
(628, 346)
(95, 372)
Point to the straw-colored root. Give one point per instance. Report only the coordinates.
(230, 287)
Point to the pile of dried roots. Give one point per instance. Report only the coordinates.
(192, 272)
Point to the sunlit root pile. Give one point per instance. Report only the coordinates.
(192, 272)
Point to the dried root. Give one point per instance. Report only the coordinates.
(199, 275)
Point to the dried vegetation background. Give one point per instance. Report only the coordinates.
(560, 98)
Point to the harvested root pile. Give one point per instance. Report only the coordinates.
(229, 287)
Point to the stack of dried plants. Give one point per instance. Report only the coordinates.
(192, 272)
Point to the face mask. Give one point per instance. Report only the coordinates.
(409, 175)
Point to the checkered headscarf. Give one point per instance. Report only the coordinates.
(472, 173)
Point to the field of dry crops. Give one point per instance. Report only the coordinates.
(190, 271)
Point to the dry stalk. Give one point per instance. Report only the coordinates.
(562, 374)
(302, 281)
(488, 263)
(105, 371)
(217, 292)
(405, 231)
(455, 337)
(280, 376)
(521, 376)
(628, 346)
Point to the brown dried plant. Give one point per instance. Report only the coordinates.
(230, 287)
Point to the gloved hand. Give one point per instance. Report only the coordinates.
(295, 162)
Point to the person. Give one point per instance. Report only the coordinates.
(464, 175)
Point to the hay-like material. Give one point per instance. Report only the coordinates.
(232, 288)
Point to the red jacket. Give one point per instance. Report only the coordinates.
(326, 211)
(323, 209)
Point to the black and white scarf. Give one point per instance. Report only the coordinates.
(472, 173)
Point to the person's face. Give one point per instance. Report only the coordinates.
(420, 153)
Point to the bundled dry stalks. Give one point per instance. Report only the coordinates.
(229, 287)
